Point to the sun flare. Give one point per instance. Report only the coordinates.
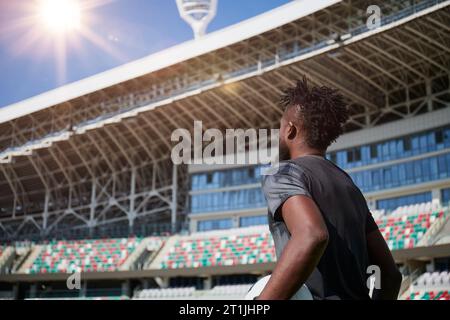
(60, 16)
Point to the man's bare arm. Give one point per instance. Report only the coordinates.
(309, 239)
(380, 255)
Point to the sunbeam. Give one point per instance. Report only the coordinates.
(57, 27)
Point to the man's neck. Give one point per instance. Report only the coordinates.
(306, 151)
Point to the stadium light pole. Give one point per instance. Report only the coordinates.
(198, 14)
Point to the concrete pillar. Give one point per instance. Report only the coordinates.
(436, 194)
(235, 223)
(33, 290)
(193, 225)
(431, 266)
(15, 291)
(174, 197)
(83, 289)
(207, 283)
(126, 288)
(162, 282)
(92, 207)
(145, 283)
(372, 204)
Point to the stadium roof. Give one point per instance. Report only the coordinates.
(171, 56)
(116, 141)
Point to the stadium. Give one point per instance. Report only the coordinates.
(88, 186)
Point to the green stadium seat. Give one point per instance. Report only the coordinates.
(83, 255)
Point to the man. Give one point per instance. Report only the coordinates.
(324, 234)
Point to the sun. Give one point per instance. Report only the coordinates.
(60, 16)
(57, 28)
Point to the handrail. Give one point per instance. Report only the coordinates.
(430, 236)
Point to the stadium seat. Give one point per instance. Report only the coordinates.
(227, 292)
(408, 224)
(165, 294)
(225, 250)
(404, 228)
(439, 280)
(83, 255)
(430, 295)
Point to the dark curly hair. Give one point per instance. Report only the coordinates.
(320, 111)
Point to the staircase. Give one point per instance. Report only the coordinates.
(156, 262)
(6, 260)
(29, 261)
(407, 282)
(136, 254)
(444, 232)
(440, 226)
(21, 257)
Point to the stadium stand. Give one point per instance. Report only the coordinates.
(84, 255)
(395, 148)
(406, 226)
(166, 294)
(83, 298)
(434, 279)
(430, 295)
(2, 248)
(238, 246)
(220, 292)
(227, 292)
(431, 286)
(144, 253)
(6, 257)
(403, 228)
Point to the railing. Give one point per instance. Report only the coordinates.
(74, 294)
(123, 231)
(431, 237)
(407, 283)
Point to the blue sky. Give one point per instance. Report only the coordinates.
(128, 29)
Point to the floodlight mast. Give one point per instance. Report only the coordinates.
(198, 14)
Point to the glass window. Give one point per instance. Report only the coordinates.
(350, 156)
(373, 151)
(385, 151)
(333, 157)
(392, 149)
(407, 144)
(387, 178)
(342, 159)
(253, 221)
(445, 196)
(415, 143)
(357, 155)
(227, 200)
(402, 174)
(423, 143)
(393, 203)
(216, 224)
(251, 173)
(447, 137)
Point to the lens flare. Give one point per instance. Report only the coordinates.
(60, 16)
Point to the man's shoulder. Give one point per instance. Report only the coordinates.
(285, 171)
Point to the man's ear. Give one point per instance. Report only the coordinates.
(291, 131)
